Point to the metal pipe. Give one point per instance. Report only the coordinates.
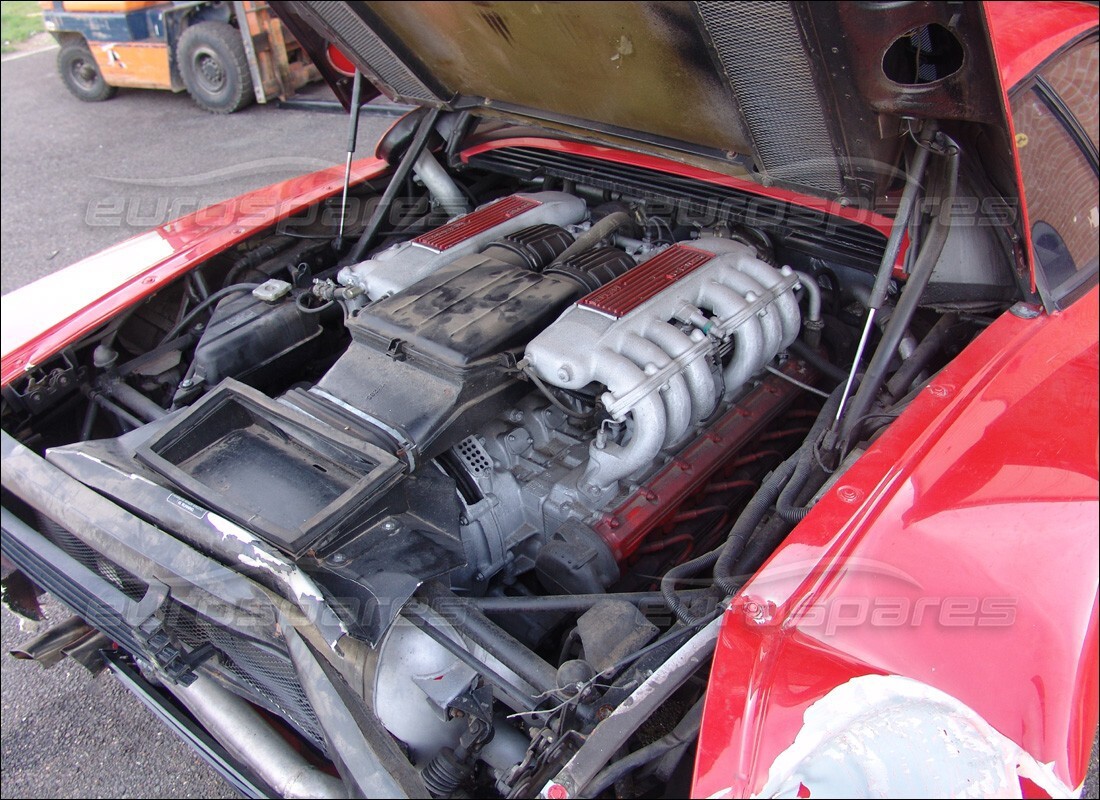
(47, 647)
(901, 380)
(107, 404)
(813, 296)
(248, 738)
(131, 399)
(512, 695)
(397, 180)
(441, 186)
(490, 637)
(576, 603)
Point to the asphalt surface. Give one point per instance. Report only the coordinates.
(76, 178)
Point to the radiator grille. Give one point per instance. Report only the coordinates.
(264, 673)
(761, 51)
(361, 39)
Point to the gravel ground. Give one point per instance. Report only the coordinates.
(76, 178)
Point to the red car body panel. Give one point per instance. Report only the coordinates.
(952, 504)
(163, 254)
(1023, 38)
(944, 513)
(922, 562)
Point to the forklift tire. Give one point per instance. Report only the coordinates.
(211, 60)
(81, 75)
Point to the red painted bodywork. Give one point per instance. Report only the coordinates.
(1023, 38)
(979, 493)
(958, 550)
(978, 505)
(191, 240)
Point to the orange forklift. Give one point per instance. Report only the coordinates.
(224, 54)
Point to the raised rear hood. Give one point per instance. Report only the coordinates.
(803, 94)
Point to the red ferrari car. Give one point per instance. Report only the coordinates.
(685, 398)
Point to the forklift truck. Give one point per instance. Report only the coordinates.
(226, 55)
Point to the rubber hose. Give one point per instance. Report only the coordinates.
(678, 573)
(683, 733)
(746, 524)
(785, 505)
(594, 235)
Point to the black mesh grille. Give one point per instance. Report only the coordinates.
(801, 228)
(262, 672)
(129, 584)
(762, 54)
(381, 59)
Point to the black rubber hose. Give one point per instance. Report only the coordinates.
(253, 257)
(818, 361)
(907, 303)
(397, 180)
(193, 314)
(747, 523)
(761, 545)
(785, 505)
(678, 573)
(901, 380)
(684, 732)
(594, 235)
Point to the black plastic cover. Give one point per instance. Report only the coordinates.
(246, 337)
(472, 309)
(269, 468)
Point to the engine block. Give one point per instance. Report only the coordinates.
(653, 336)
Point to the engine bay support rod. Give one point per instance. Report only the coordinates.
(570, 603)
(353, 134)
(511, 694)
(926, 261)
(486, 634)
(889, 256)
(397, 180)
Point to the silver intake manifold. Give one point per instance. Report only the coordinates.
(652, 337)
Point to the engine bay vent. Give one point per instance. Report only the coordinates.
(808, 230)
(473, 456)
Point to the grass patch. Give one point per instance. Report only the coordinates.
(19, 20)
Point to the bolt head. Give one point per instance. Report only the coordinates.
(556, 791)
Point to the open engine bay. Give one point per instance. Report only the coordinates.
(511, 461)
